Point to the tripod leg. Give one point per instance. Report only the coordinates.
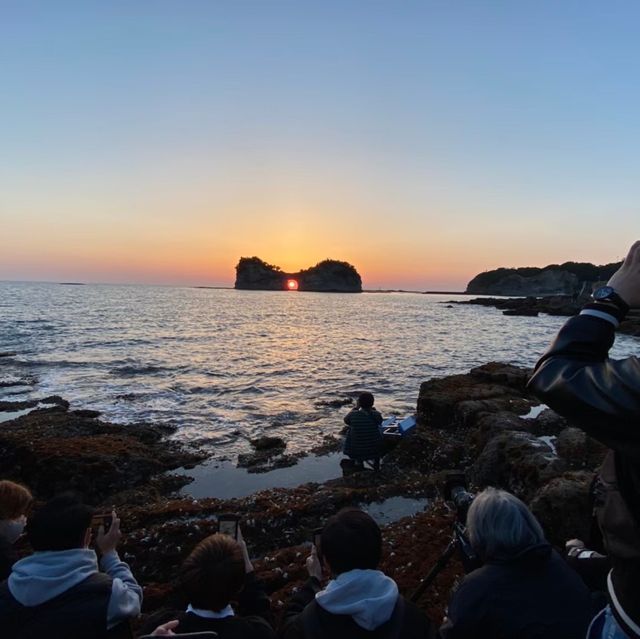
(443, 560)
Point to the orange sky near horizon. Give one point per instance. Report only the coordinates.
(423, 143)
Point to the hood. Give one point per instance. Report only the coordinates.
(369, 596)
(45, 575)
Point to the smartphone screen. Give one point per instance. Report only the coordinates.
(228, 526)
(101, 519)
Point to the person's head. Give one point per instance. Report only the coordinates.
(213, 574)
(63, 523)
(365, 400)
(15, 500)
(500, 526)
(351, 539)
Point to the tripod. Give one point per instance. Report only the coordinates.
(458, 541)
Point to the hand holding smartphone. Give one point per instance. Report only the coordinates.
(101, 519)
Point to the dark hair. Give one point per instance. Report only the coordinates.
(213, 573)
(60, 524)
(15, 499)
(351, 539)
(366, 400)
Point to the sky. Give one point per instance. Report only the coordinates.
(155, 141)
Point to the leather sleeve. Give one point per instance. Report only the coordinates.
(577, 379)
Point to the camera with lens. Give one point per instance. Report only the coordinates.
(455, 491)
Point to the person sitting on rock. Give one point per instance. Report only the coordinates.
(360, 601)
(15, 501)
(524, 590)
(217, 572)
(363, 441)
(59, 592)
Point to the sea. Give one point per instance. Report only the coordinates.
(225, 366)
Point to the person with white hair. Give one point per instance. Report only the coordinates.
(524, 589)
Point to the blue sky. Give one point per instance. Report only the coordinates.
(422, 141)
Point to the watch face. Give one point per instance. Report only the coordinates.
(603, 292)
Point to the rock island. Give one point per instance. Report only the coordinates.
(328, 276)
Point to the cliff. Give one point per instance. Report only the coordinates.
(556, 279)
(334, 276)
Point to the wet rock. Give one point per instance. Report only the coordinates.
(579, 450)
(268, 443)
(7, 383)
(52, 450)
(488, 425)
(267, 456)
(330, 444)
(271, 463)
(564, 305)
(518, 462)
(548, 422)
(631, 325)
(333, 403)
(563, 507)
(86, 413)
(453, 402)
(32, 403)
(508, 375)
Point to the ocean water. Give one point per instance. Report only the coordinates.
(225, 366)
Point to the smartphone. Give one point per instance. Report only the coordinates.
(228, 525)
(316, 537)
(101, 519)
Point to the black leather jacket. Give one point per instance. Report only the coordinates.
(577, 379)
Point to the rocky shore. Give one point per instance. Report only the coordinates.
(562, 305)
(483, 422)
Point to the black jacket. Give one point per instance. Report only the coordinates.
(253, 621)
(577, 379)
(414, 624)
(8, 557)
(78, 613)
(536, 596)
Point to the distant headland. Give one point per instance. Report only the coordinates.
(328, 276)
(570, 278)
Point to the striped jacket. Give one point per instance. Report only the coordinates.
(364, 439)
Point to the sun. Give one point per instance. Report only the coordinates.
(292, 285)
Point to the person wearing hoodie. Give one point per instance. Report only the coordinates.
(359, 601)
(15, 501)
(59, 592)
(524, 590)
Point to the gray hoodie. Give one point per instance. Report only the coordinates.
(369, 596)
(45, 575)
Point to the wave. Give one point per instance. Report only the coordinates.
(133, 370)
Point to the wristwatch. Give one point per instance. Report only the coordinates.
(608, 295)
